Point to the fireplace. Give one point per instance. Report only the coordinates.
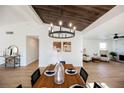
(121, 57)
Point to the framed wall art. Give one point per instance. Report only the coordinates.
(57, 46)
(67, 46)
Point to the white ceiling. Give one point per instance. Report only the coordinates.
(105, 27)
(12, 14)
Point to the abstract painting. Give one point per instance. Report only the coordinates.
(67, 46)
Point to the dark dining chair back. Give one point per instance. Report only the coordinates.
(35, 76)
(63, 62)
(96, 85)
(19, 86)
(83, 74)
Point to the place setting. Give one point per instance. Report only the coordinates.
(70, 71)
(76, 86)
(49, 73)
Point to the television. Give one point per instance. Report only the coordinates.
(121, 57)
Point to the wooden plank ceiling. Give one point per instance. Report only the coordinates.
(79, 15)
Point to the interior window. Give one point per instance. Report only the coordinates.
(103, 46)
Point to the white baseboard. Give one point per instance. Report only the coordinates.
(32, 61)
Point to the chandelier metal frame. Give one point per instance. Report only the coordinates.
(61, 34)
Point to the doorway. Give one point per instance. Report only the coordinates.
(32, 49)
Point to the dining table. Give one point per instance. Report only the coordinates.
(69, 80)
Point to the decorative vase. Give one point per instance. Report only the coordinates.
(59, 73)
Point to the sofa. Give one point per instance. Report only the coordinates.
(86, 58)
(104, 56)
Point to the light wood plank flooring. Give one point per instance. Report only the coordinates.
(10, 77)
(110, 73)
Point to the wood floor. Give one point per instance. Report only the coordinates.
(110, 73)
(10, 77)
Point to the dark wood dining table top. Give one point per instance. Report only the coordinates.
(48, 81)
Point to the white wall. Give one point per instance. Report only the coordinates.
(118, 46)
(21, 31)
(46, 48)
(92, 46)
(32, 49)
(30, 27)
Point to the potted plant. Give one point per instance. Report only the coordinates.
(114, 55)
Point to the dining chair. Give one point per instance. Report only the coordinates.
(35, 76)
(96, 85)
(83, 74)
(63, 62)
(19, 86)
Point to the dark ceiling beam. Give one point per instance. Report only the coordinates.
(103, 7)
(80, 15)
(65, 15)
(68, 10)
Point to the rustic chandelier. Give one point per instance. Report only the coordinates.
(62, 33)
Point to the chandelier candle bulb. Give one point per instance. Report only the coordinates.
(74, 28)
(51, 24)
(62, 33)
(60, 23)
(70, 25)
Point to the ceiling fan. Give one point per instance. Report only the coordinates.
(116, 36)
